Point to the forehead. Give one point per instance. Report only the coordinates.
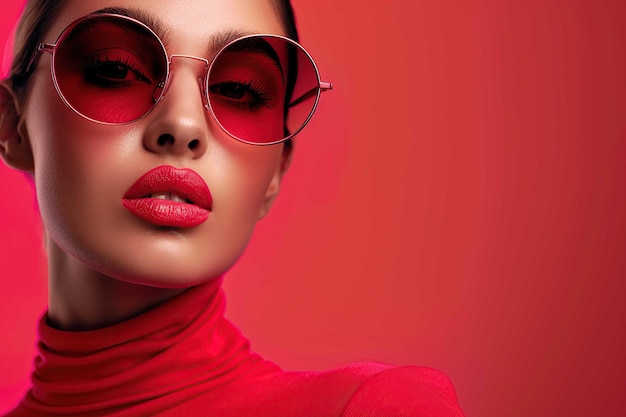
(189, 24)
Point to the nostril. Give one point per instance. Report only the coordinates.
(194, 144)
(165, 138)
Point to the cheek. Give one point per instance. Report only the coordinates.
(241, 181)
(51, 133)
(77, 164)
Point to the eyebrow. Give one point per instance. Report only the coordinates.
(217, 41)
(152, 22)
(259, 46)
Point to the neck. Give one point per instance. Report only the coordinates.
(145, 365)
(81, 298)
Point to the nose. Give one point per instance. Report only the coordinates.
(179, 125)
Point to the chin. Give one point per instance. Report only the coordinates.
(164, 274)
(153, 265)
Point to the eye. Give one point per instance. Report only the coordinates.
(113, 70)
(230, 90)
(243, 95)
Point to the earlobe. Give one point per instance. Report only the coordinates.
(15, 148)
(274, 186)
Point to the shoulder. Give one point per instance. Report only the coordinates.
(365, 389)
(17, 412)
(401, 391)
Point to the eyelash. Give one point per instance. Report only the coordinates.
(97, 62)
(261, 96)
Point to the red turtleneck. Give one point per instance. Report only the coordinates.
(184, 358)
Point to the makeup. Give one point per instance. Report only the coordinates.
(168, 196)
(112, 69)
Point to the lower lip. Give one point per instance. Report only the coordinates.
(166, 212)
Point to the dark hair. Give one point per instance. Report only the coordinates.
(287, 17)
(35, 21)
(39, 14)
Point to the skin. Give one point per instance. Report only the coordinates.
(105, 264)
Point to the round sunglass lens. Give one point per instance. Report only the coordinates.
(263, 89)
(107, 68)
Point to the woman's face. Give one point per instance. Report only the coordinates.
(83, 170)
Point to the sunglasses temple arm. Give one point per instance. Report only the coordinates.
(312, 92)
(42, 47)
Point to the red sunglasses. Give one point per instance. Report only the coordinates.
(113, 69)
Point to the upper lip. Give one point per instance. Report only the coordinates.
(185, 183)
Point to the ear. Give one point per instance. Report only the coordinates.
(14, 147)
(274, 186)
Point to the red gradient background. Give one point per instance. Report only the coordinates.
(458, 202)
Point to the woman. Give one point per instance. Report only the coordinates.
(157, 135)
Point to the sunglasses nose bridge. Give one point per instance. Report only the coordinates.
(201, 78)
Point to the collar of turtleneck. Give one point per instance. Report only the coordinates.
(161, 358)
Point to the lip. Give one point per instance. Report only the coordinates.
(163, 180)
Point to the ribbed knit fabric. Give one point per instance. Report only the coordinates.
(184, 358)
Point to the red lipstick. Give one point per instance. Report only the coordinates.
(168, 196)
